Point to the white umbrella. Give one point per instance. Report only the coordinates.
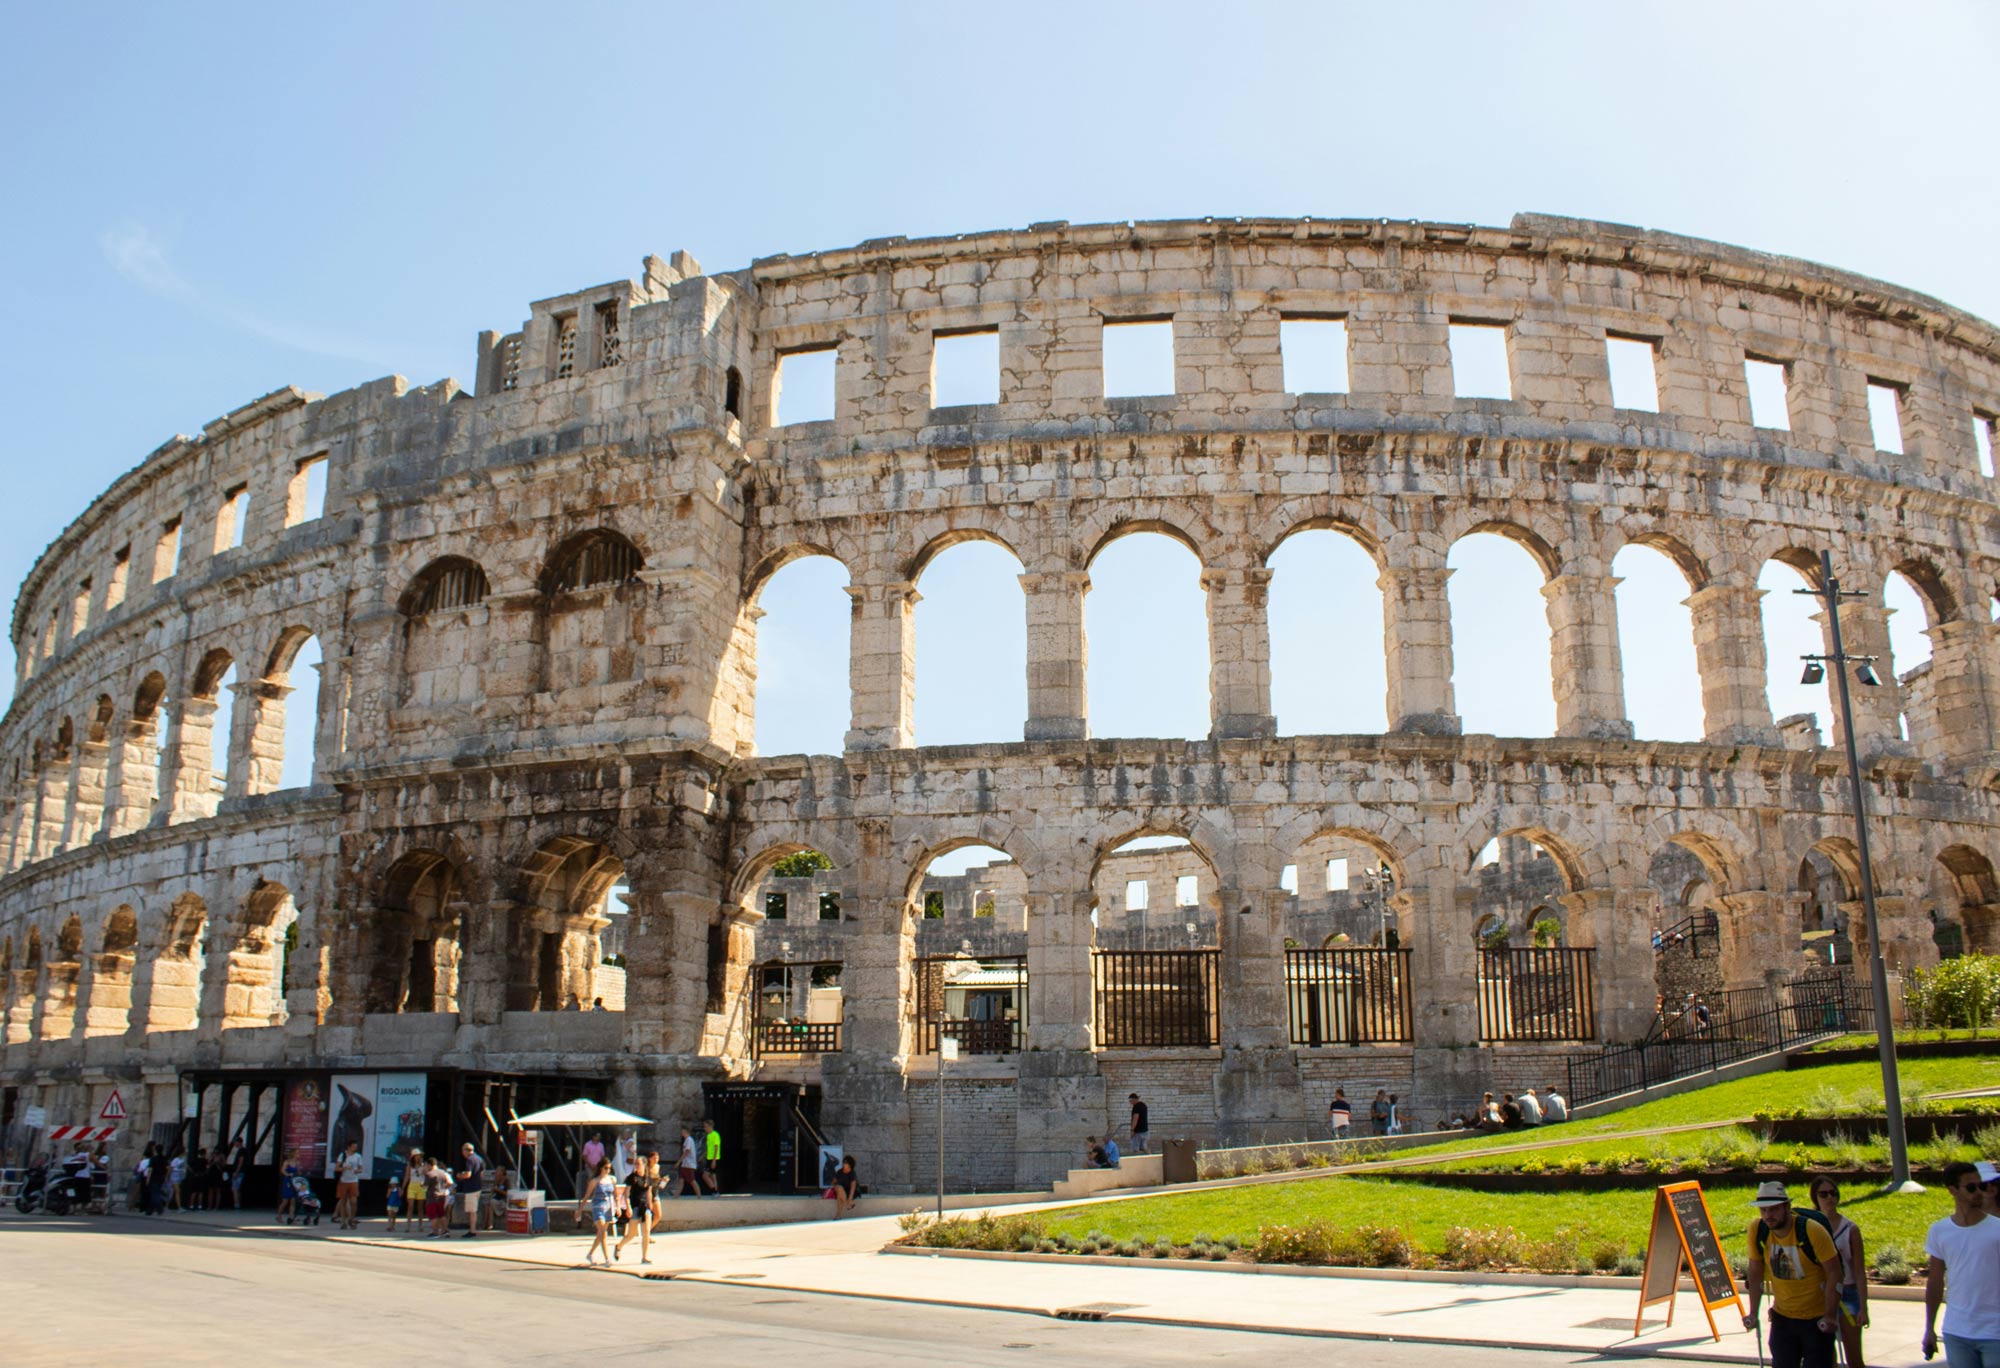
(582, 1112)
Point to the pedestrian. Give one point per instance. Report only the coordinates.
(1794, 1250)
(1093, 1152)
(160, 1176)
(1853, 1266)
(238, 1162)
(1531, 1108)
(1378, 1112)
(593, 1154)
(1701, 1017)
(394, 1201)
(218, 1177)
(1964, 1275)
(1989, 1179)
(600, 1197)
(196, 1183)
(177, 1172)
(491, 1210)
(1554, 1106)
(597, 1004)
(1510, 1112)
(1395, 1116)
(711, 1158)
(416, 1189)
(842, 1189)
(437, 1199)
(288, 1193)
(1139, 1130)
(639, 1186)
(690, 1166)
(142, 1181)
(1339, 1114)
(470, 1181)
(347, 1171)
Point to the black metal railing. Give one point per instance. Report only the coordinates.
(1700, 933)
(984, 1002)
(1155, 997)
(1711, 1032)
(1536, 994)
(1354, 996)
(795, 1037)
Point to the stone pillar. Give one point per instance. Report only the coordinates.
(51, 793)
(1416, 632)
(58, 1016)
(109, 1010)
(1614, 922)
(1058, 654)
(192, 769)
(130, 779)
(866, 1107)
(1729, 655)
(1758, 943)
(1239, 652)
(1258, 1094)
(1444, 992)
(1965, 684)
(86, 807)
(882, 666)
(1584, 662)
(666, 961)
(1906, 935)
(21, 1011)
(257, 760)
(1864, 630)
(487, 964)
(1061, 1093)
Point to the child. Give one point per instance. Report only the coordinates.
(437, 1199)
(307, 1199)
(394, 1202)
(287, 1199)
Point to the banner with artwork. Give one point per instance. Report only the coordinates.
(304, 1141)
(399, 1125)
(352, 1117)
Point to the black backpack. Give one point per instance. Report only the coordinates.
(1802, 1217)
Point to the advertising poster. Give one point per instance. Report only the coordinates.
(305, 1126)
(399, 1120)
(351, 1111)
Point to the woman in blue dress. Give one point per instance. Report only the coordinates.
(602, 1196)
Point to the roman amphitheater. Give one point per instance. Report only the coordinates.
(535, 605)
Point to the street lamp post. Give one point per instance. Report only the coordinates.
(1830, 595)
(1381, 882)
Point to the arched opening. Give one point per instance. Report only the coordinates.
(253, 992)
(789, 941)
(110, 1011)
(1500, 652)
(1347, 900)
(1966, 896)
(593, 604)
(1686, 931)
(1146, 621)
(971, 647)
(205, 732)
(27, 983)
(1528, 991)
(64, 976)
(1344, 884)
(1791, 630)
(592, 560)
(288, 710)
(556, 947)
(1155, 961)
(798, 627)
(145, 758)
(1329, 671)
(444, 635)
(971, 946)
(175, 1001)
(1656, 646)
(415, 939)
(1910, 621)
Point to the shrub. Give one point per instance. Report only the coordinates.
(1231, 1243)
(1798, 1159)
(984, 1231)
(1987, 1140)
(1322, 1242)
(1534, 1165)
(1957, 992)
(1480, 1247)
(1163, 1249)
(1026, 1244)
(1739, 1265)
(1945, 1149)
(1573, 1164)
(1891, 1266)
(1623, 1160)
(1047, 1246)
(1129, 1250)
(1088, 1246)
(1631, 1266)
(1319, 1159)
(1846, 1151)
(1607, 1253)
(1217, 1252)
(1556, 1254)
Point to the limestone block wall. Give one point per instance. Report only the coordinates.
(537, 605)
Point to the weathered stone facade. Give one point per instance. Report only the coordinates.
(538, 611)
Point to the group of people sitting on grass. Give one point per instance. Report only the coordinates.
(1512, 1112)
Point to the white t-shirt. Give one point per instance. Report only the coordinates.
(350, 1167)
(1971, 1256)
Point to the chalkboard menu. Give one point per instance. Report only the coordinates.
(1683, 1235)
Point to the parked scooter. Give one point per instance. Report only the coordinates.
(59, 1195)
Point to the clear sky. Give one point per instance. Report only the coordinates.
(208, 202)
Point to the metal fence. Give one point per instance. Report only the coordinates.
(981, 1002)
(1536, 994)
(1738, 1025)
(795, 1037)
(1155, 997)
(1354, 996)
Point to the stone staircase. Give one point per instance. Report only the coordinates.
(1133, 1171)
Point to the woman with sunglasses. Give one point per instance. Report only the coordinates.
(1853, 1265)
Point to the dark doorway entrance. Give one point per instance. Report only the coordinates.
(769, 1135)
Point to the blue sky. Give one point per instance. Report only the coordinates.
(213, 201)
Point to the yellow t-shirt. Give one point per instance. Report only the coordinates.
(1794, 1279)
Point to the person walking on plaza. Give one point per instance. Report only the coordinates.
(593, 1155)
(196, 1186)
(416, 1188)
(1853, 1268)
(639, 1185)
(600, 1199)
(1794, 1251)
(437, 1199)
(471, 1181)
(1378, 1112)
(1339, 1114)
(711, 1158)
(177, 1172)
(238, 1162)
(1964, 1275)
(347, 1171)
(288, 1193)
(142, 1180)
(690, 1166)
(1139, 1131)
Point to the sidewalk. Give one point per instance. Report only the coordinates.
(845, 1258)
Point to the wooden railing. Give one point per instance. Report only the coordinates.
(992, 1002)
(1155, 997)
(1536, 994)
(1355, 996)
(795, 1038)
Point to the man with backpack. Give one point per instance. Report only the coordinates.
(1795, 1251)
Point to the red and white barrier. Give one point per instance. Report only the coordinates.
(82, 1135)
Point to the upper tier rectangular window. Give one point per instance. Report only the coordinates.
(1314, 351)
(1138, 357)
(965, 368)
(1336, 875)
(305, 498)
(1982, 440)
(1635, 379)
(121, 571)
(1885, 416)
(1770, 396)
(1479, 361)
(232, 517)
(167, 551)
(1187, 890)
(1135, 895)
(803, 390)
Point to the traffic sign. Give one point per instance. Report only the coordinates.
(114, 1108)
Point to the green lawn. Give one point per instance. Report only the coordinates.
(1712, 1146)
(1910, 1036)
(1827, 1087)
(1425, 1212)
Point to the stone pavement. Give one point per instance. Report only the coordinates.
(845, 1258)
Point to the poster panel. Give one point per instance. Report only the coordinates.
(304, 1142)
(352, 1109)
(399, 1120)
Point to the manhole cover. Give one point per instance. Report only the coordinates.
(1093, 1311)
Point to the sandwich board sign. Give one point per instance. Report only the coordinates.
(1683, 1235)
